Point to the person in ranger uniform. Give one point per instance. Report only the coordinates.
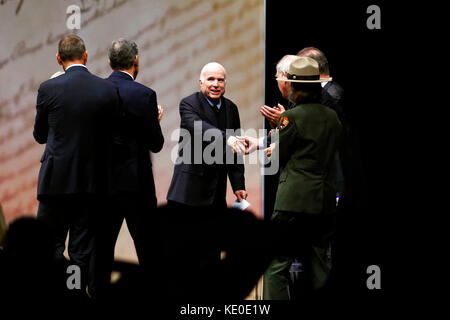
(309, 137)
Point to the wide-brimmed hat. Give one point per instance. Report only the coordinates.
(304, 69)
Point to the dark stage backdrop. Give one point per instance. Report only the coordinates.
(361, 61)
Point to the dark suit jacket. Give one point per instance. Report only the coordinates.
(351, 171)
(138, 133)
(332, 96)
(74, 118)
(197, 184)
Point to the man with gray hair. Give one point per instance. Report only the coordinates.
(197, 184)
(282, 68)
(138, 134)
(203, 184)
(272, 114)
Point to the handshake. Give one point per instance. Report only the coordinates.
(246, 145)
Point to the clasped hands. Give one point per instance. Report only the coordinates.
(246, 145)
(242, 145)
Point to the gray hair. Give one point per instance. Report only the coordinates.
(122, 54)
(284, 63)
(208, 65)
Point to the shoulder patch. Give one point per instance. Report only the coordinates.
(284, 121)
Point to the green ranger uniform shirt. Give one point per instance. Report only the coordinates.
(309, 136)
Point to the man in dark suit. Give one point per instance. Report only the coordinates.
(74, 114)
(200, 177)
(350, 174)
(196, 181)
(332, 97)
(139, 132)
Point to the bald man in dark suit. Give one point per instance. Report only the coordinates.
(194, 181)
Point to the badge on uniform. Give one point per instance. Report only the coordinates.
(284, 121)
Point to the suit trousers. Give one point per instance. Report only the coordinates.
(192, 255)
(136, 209)
(74, 215)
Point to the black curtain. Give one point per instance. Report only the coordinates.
(361, 61)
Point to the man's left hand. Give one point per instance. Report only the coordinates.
(241, 194)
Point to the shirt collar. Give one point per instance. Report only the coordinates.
(323, 84)
(212, 104)
(76, 65)
(127, 73)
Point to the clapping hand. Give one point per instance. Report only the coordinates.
(160, 112)
(272, 114)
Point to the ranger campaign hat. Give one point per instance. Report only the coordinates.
(304, 69)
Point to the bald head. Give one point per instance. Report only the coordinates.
(212, 81)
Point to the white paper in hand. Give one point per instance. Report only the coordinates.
(244, 204)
